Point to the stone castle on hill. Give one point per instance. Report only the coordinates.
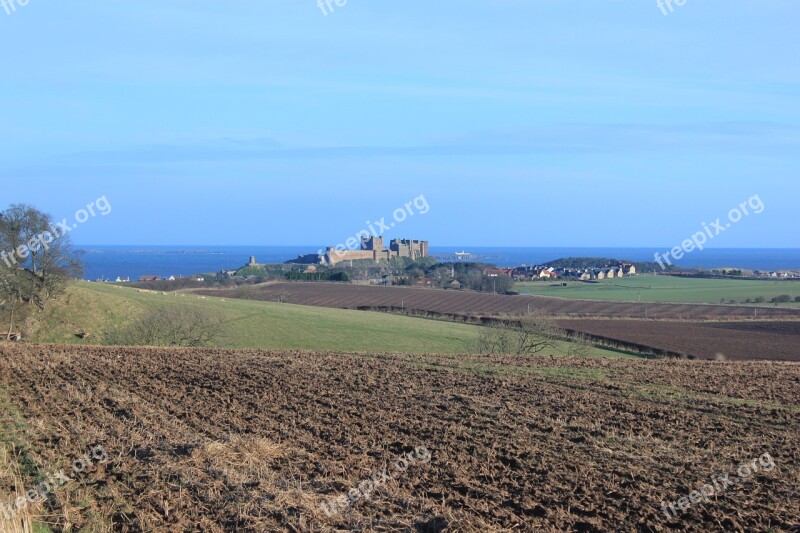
(373, 249)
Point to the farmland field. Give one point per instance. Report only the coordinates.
(217, 440)
(669, 289)
(676, 328)
(486, 304)
(97, 307)
(709, 340)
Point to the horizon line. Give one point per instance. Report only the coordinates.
(454, 246)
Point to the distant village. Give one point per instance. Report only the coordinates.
(534, 273)
(761, 274)
(198, 279)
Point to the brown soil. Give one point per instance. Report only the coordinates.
(730, 340)
(205, 440)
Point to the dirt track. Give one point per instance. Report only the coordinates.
(255, 441)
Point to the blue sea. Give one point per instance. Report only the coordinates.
(110, 262)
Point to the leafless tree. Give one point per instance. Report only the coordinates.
(526, 336)
(10, 297)
(579, 345)
(283, 296)
(37, 262)
(172, 326)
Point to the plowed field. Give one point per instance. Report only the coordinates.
(204, 440)
(732, 340)
(475, 303)
(646, 324)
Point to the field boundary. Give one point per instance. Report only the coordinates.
(642, 350)
(674, 330)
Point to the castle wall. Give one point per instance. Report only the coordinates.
(409, 248)
(333, 257)
(373, 250)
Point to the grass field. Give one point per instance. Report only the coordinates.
(669, 289)
(95, 308)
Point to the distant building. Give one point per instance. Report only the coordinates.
(149, 278)
(548, 273)
(412, 249)
(495, 272)
(455, 284)
(225, 274)
(582, 273)
(373, 249)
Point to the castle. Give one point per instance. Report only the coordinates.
(372, 249)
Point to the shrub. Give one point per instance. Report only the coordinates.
(318, 276)
(526, 336)
(783, 298)
(579, 345)
(182, 326)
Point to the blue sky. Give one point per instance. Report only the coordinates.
(522, 122)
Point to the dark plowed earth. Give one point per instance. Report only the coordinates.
(204, 440)
(473, 303)
(732, 340)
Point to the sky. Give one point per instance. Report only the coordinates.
(519, 122)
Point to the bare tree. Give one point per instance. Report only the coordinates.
(172, 326)
(283, 296)
(10, 297)
(579, 345)
(529, 335)
(36, 261)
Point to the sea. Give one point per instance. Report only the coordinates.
(112, 262)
